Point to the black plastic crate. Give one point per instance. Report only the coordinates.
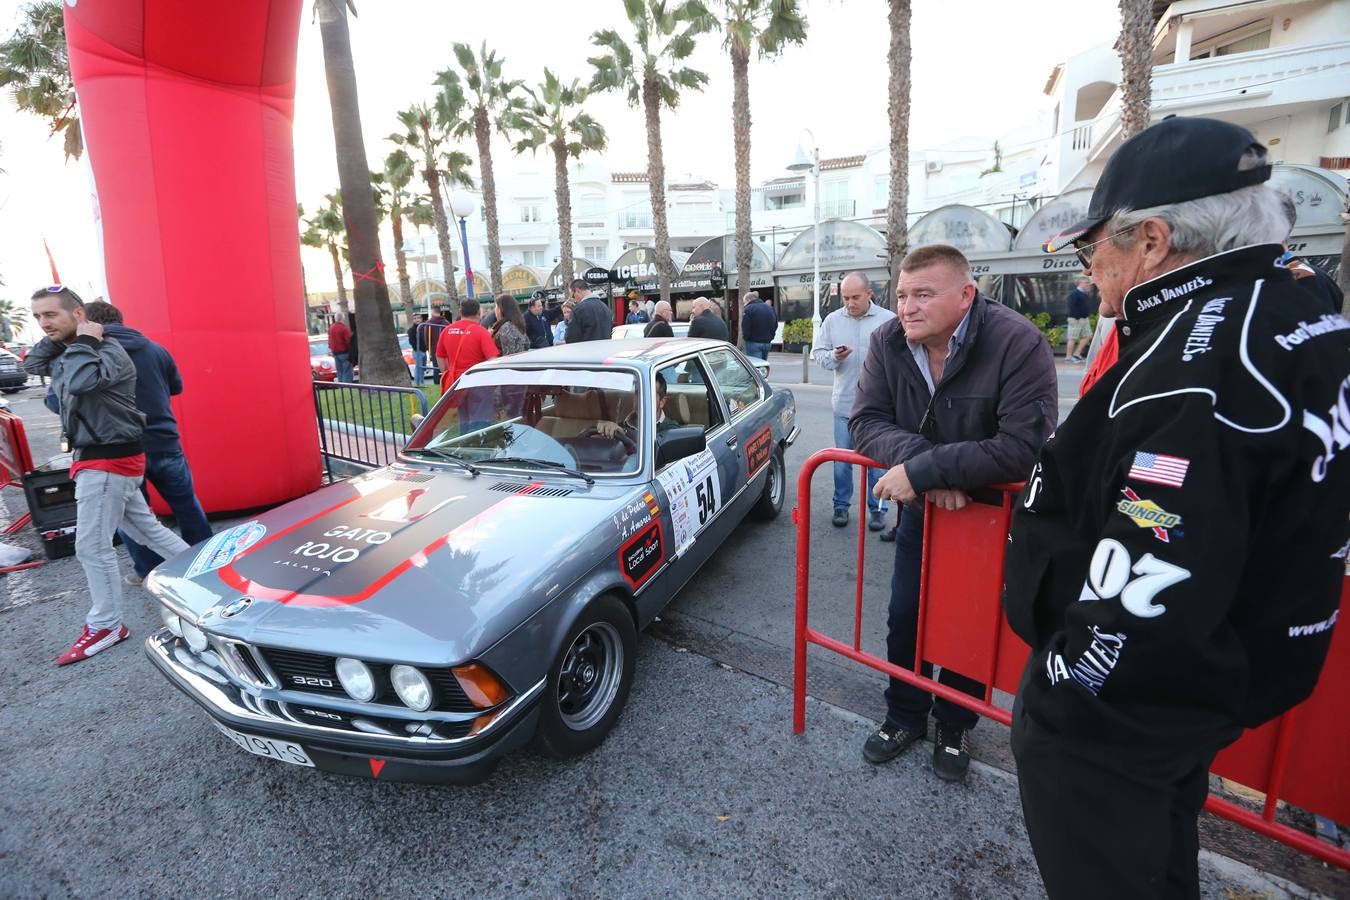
(51, 498)
(58, 543)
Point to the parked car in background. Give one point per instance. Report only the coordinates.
(321, 364)
(420, 621)
(12, 375)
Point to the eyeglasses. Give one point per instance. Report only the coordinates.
(56, 288)
(1084, 252)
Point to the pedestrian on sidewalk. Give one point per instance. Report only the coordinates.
(1177, 556)
(759, 325)
(95, 385)
(340, 345)
(659, 327)
(508, 331)
(591, 319)
(1079, 333)
(166, 467)
(432, 338)
(840, 347)
(416, 336)
(704, 322)
(957, 394)
(536, 325)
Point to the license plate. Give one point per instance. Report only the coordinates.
(260, 746)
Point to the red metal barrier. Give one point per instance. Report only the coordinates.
(15, 460)
(1298, 758)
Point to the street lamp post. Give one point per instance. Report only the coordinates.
(462, 205)
(801, 163)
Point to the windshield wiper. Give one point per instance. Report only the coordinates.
(447, 455)
(545, 463)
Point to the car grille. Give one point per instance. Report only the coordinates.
(312, 672)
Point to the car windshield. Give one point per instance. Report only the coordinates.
(318, 348)
(587, 420)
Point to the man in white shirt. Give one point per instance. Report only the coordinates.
(839, 347)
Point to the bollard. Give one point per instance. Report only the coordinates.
(806, 364)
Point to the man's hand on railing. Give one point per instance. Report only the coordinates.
(948, 498)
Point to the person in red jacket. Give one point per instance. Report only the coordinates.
(339, 344)
(464, 343)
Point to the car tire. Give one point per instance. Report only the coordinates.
(10, 390)
(589, 680)
(770, 502)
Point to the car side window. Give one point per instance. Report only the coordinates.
(689, 396)
(740, 387)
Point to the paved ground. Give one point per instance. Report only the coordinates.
(114, 783)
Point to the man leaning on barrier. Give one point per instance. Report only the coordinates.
(1177, 556)
(957, 393)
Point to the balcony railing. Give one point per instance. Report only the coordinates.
(1288, 74)
(838, 209)
(1082, 137)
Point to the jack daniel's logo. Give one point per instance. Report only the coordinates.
(1172, 293)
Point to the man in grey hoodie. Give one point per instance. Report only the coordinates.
(95, 385)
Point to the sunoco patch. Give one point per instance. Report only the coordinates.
(222, 548)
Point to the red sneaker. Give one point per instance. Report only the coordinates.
(91, 642)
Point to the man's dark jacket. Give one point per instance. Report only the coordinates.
(94, 383)
(415, 338)
(759, 323)
(157, 380)
(537, 330)
(658, 328)
(996, 404)
(1177, 556)
(590, 321)
(709, 324)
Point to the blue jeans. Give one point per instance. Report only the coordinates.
(907, 706)
(757, 348)
(844, 475)
(170, 475)
(343, 361)
(419, 367)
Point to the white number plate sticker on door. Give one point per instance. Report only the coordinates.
(260, 746)
(694, 492)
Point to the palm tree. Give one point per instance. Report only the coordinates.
(1135, 46)
(393, 199)
(381, 359)
(897, 108)
(325, 230)
(769, 26)
(554, 117)
(426, 129)
(17, 313)
(34, 65)
(491, 102)
(663, 38)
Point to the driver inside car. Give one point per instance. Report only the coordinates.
(630, 427)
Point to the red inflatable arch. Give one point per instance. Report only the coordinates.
(187, 110)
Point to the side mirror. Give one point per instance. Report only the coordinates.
(677, 443)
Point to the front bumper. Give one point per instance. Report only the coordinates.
(388, 757)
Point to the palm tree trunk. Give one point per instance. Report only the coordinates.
(897, 107)
(401, 261)
(382, 361)
(656, 183)
(482, 131)
(740, 118)
(343, 306)
(564, 197)
(1135, 46)
(442, 222)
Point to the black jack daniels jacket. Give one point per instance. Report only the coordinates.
(1176, 558)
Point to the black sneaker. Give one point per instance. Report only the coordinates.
(889, 742)
(876, 520)
(951, 753)
(840, 517)
(889, 535)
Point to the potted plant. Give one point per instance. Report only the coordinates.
(796, 334)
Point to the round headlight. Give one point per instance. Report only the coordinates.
(412, 687)
(173, 623)
(356, 678)
(195, 637)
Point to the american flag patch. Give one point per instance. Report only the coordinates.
(1159, 469)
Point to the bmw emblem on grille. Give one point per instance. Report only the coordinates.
(235, 607)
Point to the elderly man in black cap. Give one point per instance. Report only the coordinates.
(1176, 557)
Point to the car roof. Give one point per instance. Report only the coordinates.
(641, 352)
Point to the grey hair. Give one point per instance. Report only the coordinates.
(662, 306)
(1259, 214)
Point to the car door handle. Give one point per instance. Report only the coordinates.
(733, 441)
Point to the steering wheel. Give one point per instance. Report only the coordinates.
(621, 436)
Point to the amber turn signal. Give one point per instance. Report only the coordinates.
(483, 689)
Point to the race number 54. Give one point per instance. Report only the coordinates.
(1109, 576)
(707, 500)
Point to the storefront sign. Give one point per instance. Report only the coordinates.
(595, 276)
(964, 227)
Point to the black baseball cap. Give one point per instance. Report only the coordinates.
(1176, 160)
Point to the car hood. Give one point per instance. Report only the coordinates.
(402, 564)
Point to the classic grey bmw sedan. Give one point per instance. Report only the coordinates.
(421, 620)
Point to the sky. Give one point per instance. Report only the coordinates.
(979, 68)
